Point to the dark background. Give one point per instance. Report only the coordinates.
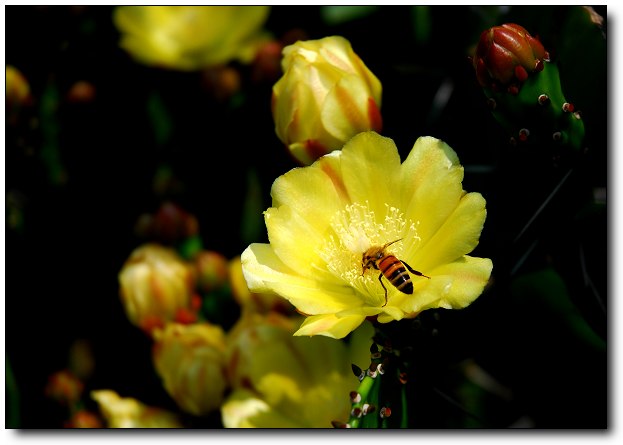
(79, 210)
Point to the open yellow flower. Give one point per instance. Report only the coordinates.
(325, 216)
(190, 37)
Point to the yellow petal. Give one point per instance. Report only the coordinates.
(345, 109)
(330, 325)
(370, 169)
(452, 286)
(458, 235)
(431, 184)
(265, 272)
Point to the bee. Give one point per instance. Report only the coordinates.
(378, 258)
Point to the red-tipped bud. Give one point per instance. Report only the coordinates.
(506, 56)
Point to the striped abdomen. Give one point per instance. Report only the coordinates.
(395, 272)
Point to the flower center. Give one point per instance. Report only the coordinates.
(355, 230)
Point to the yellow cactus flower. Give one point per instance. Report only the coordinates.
(156, 285)
(127, 412)
(325, 96)
(281, 381)
(326, 216)
(190, 360)
(191, 37)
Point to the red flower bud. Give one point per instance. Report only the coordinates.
(506, 55)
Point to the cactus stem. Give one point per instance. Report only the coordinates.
(543, 99)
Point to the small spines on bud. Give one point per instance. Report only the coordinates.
(385, 412)
(359, 373)
(367, 409)
(372, 370)
(403, 378)
(339, 424)
(524, 133)
(543, 99)
(356, 412)
(355, 397)
(568, 107)
(492, 104)
(380, 369)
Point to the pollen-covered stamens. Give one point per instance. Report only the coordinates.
(357, 228)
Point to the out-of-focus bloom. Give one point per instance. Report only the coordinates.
(190, 360)
(191, 37)
(170, 224)
(212, 270)
(17, 88)
(81, 92)
(281, 381)
(326, 96)
(251, 301)
(84, 419)
(64, 387)
(81, 361)
(127, 412)
(324, 217)
(156, 286)
(505, 57)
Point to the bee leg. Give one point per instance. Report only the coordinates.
(384, 288)
(414, 272)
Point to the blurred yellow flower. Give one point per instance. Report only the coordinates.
(17, 87)
(190, 360)
(324, 217)
(326, 96)
(191, 37)
(281, 381)
(126, 412)
(155, 286)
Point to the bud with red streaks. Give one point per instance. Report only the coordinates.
(523, 88)
(506, 55)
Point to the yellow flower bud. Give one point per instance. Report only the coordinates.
(156, 285)
(190, 360)
(326, 96)
(126, 412)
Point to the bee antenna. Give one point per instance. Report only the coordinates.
(392, 242)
